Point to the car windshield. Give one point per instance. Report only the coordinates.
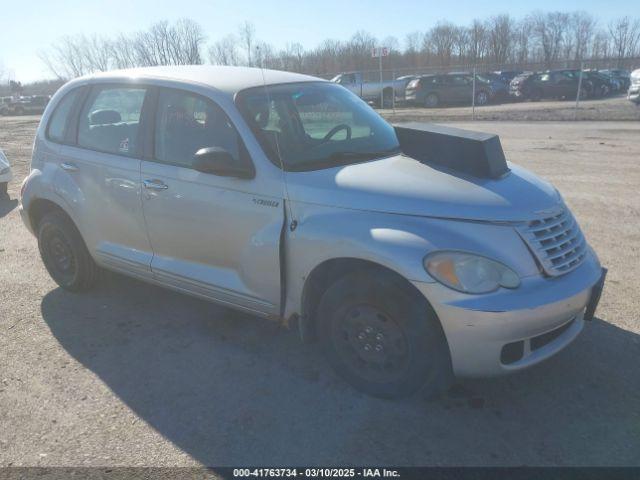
(310, 126)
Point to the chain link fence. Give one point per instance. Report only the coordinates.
(591, 89)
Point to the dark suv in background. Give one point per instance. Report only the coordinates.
(434, 90)
(559, 84)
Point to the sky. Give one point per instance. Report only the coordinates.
(27, 31)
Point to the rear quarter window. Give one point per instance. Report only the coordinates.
(60, 118)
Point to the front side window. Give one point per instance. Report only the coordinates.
(185, 123)
(60, 117)
(459, 80)
(307, 126)
(110, 120)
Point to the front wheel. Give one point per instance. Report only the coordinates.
(64, 253)
(381, 338)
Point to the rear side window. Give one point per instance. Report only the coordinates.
(59, 119)
(185, 123)
(110, 120)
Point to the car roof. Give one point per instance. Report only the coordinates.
(229, 80)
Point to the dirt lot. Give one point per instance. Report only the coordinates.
(135, 375)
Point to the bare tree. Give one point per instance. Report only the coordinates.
(477, 34)
(500, 34)
(264, 55)
(600, 45)
(122, 52)
(412, 46)
(440, 41)
(522, 41)
(247, 37)
(581, 30)
(65, 58)
(625, 35)
(163, 44)
(549, 30)
(551, 37)
(225, 51)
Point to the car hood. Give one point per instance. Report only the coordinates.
(403, 185)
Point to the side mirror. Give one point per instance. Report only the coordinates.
(218, 161)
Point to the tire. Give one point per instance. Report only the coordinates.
(584, 93)
(431, 100)
(387, 98)
(65, 254)
(482, 98)
(360, 315)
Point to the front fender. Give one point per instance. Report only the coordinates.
(397, 242)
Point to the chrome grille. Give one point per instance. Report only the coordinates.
(556, 241)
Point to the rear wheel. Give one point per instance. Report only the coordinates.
(431, 100)
(584, 93)
(482, 98)
(64, 253)
(387, 98)
(380, 338)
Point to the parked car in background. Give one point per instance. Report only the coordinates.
(634, 88)
(616, 83)
(372, 90)
(30, 105)
(507, 75)
(404, 272)
(498, 86)
(400, 94)
(4, 105)
(622, 76)
(596, 84)
(552, 84)
(434, 90)
(601, 85)
(5, 173)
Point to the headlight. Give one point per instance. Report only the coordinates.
(469, 273)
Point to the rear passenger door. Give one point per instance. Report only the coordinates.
(102, 168)
(457, 88)
(213, 236)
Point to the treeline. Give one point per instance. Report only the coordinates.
(544, 38)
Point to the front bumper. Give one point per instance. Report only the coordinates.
(509, 330)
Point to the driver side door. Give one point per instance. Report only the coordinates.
(212, 236)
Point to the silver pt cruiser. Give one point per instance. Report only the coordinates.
(288, 197)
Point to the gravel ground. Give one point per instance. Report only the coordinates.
(131, 374)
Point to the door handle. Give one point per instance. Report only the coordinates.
(155, 185)
(69, 167)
